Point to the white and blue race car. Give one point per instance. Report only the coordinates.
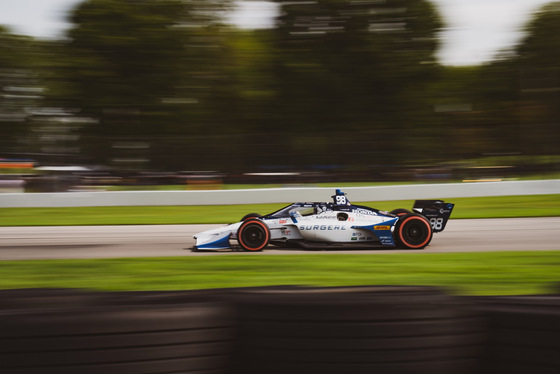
(339, 224)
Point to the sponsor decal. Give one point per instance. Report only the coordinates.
(382, 227)
(326, 217)
(322, 228)
(283, 221)
(354, 238)
(437, 223)
(364, 212)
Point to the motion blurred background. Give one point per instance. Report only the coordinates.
(175, 92)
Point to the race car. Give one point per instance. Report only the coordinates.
(339, 224)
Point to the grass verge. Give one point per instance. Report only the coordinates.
(487, 273)
(480, 207)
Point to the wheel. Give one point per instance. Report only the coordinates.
(400, 212)
(253, 235)
(413, 231)
(251, 215)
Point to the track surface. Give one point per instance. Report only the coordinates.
(79, 242)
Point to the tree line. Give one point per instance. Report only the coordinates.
(335, 84)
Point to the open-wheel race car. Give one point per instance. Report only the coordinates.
(339, 224)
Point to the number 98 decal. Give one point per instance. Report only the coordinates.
(437, 223)
(341, 200)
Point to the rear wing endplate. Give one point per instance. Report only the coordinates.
(436, 211)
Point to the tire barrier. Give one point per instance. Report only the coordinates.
(113, 333)
(523, 334)
(355, 330)
(282, 329)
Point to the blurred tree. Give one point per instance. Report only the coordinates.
(352, 77)
(336, 83)
(508, 108)
(497, 108)
(147, 70)
(539, 82)
(166, 82)
(19, 92)
(540, 46)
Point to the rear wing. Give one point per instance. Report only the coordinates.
(436, 211)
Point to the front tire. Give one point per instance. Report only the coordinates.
(413, 231)
(253, 235)
(251, 215)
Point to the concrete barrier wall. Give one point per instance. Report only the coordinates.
(277, 195)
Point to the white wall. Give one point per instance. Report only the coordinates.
(277, 195)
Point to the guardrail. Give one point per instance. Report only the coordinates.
(277, 195)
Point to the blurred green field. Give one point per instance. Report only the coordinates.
(480, 207)
(486, 273)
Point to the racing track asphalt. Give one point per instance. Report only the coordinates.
(80, 242)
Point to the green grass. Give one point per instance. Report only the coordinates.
(498, 273)
(480, 207)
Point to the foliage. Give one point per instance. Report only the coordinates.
(345, 68)
(19, 90)
(540, 47)
(137, 67)
(539, 81)
(335, 84)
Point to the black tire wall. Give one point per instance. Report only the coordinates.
(355, 330)
(62, 331)
(282, 329)
(523, 334)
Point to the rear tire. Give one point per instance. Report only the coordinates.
(400, 212)
(413, 231)
(253, 235)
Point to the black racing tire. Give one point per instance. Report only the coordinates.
(251, 215)
(253, 235)
(400, 212)
(413, 231)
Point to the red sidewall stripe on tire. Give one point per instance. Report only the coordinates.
(425, 242)
(251, 221)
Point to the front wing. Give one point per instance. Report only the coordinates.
(217, 238)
